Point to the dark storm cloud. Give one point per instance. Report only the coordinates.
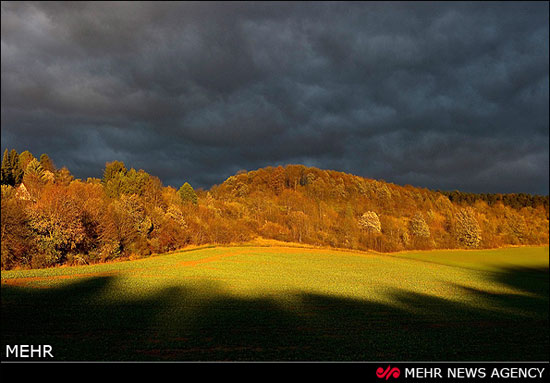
(441, 95)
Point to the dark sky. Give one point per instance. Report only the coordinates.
(439, 95)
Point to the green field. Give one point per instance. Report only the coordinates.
(285, 303)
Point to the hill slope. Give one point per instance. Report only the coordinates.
(304, 204)
(49, 218)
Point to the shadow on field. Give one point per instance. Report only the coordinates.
(206, 323)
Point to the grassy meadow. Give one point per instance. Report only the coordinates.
(287, 303)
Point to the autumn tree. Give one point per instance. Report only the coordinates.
(418, 227)
(129, 212)
(63, 176)
(112, 170)
(294, 175)
(134, 182)
(277, 180)
(133, 223)
(170, 230)
(56, 221)
(467, 231)
(298, 225)
(370, 222)
(91, 199)
(419, 230)
(516, 227)
(395, 233)
(16, 239)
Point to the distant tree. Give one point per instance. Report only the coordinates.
(35, 168)
(47, 163)
(420, 232)
(124, 228)
(63, 176)
(133, 182)
(17, 171)
(175, 214)
(56, 221)
(16, 237)
(467, 230)
(370, 222)
(306, 179)
(187, 194)
(113, 178)
(11, 172)
(241, 189)
(383, 193)
(418, 227)
(131, 207)
(277, 180)
(24, 159)
(298, 225)
(7, 169)
(318, 188)
(294, 173)
(8, 191)
(151, 190)
(517, 227)
(170, 231)
(130, 213)
(34, 178)
(112, 170)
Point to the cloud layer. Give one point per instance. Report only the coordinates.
(440, 95)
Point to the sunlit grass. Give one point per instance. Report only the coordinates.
(279, 271)
(229, 290)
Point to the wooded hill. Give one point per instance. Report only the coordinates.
(50, 218)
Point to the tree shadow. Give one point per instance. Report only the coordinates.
(204, 322)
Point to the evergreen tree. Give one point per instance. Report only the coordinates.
(113, 178)
(187, 194)
(7, 169)
(12, 174)
(47, 163)
(24, 158)
(34, 168)
(34, 178)
(17, 170)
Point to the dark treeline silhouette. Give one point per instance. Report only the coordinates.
(515, 200)
(51, 218)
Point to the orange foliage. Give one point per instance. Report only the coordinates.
(75, 221)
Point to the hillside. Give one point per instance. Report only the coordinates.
(49, 218)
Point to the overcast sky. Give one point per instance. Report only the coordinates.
(439, 95)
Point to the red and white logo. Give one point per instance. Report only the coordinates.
(388, 372)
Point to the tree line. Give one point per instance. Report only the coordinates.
(515, 200)
(50, 218)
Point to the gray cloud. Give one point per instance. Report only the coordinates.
(440, 95)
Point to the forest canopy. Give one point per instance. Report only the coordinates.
(50, 218)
